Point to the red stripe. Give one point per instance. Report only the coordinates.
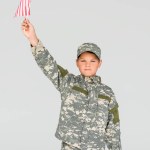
(24, 8)
(22, 12)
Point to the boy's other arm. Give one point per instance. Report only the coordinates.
(113, 126)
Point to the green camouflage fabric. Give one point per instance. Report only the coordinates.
(91, 47)
(89, 118)
(66, 146)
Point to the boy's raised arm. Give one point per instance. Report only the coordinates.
(43, 58)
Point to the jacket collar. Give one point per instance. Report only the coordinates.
(96, 79)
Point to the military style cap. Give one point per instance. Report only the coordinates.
(91, 47)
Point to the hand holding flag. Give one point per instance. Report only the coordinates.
(27, 28)
(29, 32)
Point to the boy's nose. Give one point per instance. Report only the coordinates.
(87, 64)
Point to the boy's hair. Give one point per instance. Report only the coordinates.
(89, 47)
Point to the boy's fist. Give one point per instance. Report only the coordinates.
(29, 32)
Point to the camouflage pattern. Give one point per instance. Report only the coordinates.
(66, 146)
(91, 47)
(89, 117)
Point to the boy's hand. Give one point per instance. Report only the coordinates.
(29, 32)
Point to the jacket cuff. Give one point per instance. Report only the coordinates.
(37, 49)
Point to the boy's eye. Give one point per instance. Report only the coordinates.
(82, 60)
(93, 61)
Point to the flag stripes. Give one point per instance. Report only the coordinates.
(24, 8)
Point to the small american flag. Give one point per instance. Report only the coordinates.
(23, 9)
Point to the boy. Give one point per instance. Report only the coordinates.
(89, 117)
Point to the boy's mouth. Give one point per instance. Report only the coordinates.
(87, 69)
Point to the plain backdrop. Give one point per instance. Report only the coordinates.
(29, 103)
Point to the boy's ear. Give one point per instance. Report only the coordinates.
(77, 62)
(100, 63)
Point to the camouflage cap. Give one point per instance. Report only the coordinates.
(91, 47)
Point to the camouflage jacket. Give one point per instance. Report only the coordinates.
(89, 117)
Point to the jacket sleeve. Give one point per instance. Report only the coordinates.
(113, 141)
(48, 65)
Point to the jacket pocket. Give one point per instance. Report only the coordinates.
(103, 106)
(79, 89)
(104, 97)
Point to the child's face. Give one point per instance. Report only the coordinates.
(88, 64)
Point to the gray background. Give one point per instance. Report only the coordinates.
(29, 104)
